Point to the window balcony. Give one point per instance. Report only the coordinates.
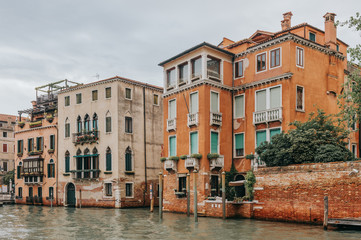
(86, 137)
(171, 124)
(170, 165)
(85, 174)
(216, 163)
(192, 119)
(216, 119)
(214, 75)
(192, 163)
(269, 115)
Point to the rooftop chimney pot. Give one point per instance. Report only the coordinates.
(286, 22)
(330, 31)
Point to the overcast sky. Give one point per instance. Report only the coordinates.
(46, 41)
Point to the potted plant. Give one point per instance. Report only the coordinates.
(183, 157)
(162, 159)
(174, 158)
(212, 156)
(49, 118)
(21, 124)
(196, 155)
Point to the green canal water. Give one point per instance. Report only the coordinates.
(33, 222)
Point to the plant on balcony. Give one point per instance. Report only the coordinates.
(196, 155)
(35, 152)
(35, 124)
(162, 159)
(183, 157)
(20, 154)
(87, 137)
(21, 124)
(250, 156)
(212, 156)
(174, 158)
(49, 117)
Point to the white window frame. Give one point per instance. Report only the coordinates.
(268, 95)
(190, 102)
(169, 145)
(175, 107)
(210, 141)
(132, 190)
(95, 90)
(268, 134)
(314, 33)
(210, 100)
(256, 62)
(303, 57)
(158, 99)
(244, 106)
(131, 94)
(244, 145)
(105, 93)
(303, 99)
(269, 66)
(190, 142)
(243, 68)
(104, 192)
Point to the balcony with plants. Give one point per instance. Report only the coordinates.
(216, 161)
(86, 137)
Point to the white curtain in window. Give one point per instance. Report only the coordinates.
(172, 110)
(214, 102)
(239, 106)
(194, 103)
(261, 100)
(275, 97)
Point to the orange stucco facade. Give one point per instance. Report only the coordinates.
(283, 77)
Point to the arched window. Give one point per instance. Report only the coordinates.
(108, 154)
(86, 123)
(79, 163)
(108, 122)
(67, 161)
(128, 160)
(87, 163)
(79, 124)
(51, 169)
(67, 128)
(95, 163)
(95, 122)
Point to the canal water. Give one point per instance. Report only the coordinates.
(33, 222)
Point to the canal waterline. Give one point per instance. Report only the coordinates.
(34, 222)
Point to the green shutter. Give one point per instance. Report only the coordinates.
(274, 132)
(53, 170)
(49, 170)
(18, 172)
(108, 161)
(261, 136)
(214, 142)
(239, 141)
(194, 142)
(67, 164)
(172, 146)
(128, 161)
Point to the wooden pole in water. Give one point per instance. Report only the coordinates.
(151, 198)
(195, 196)
(325, 215)
(160, 196)
(80, 198)
(224, 195)
(188, 194)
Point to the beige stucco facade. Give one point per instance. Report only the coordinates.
(7, 124)
(85, 176)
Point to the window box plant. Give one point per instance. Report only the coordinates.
(212, 156)
(21, 124)
(174, 158)
(162, 159)
(183, 157)
(51, 150)
(196, 155)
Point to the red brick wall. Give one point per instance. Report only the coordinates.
(295, 193)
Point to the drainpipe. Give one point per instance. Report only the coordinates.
(145, 149)
(57, 164)
(359, 139)
(233, 58)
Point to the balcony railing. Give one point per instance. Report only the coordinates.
(216, 163)
(171, 124)
(85, 174)
(170, 165)
(214, 74)
(182, 81)
(192, 119)
(269, 115)
(192, 163)
(216, 119)
(86, 137)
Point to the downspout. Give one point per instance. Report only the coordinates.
(57, 165)
(232, 93)
(145, 149)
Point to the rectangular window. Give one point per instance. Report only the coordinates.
(275, 97)
(108, 124)
(67, 164)
(172, 109)
(261, 136)
(5, 148)
(39, 144)
(182, 186)
(128, 93)
(239, 142)
(299, 56)
(354, 150)
(78, 98)
(213, 68)
(20, 146)
(108, 163)
(194, 142)
(18, 172)
(5, 134)
(353, 123)
(299, 98)
(172, 146)
(128, 125)
(5, 166)
(261, 100)
(30, 144)
(51, 170)
(239, 106)
(261, 62)
(312, 36)
(194, 103)
(20, 192)
(67, 130)
(214, 142)
(196, 67)
(108, 92)
(171, 81)
(214, 102)
(94, 95)
(128, 161)
(156, 99)
(337, 48)
(129, 189)
(67, 100)
(52, 142)
(183, 73)
(274, 131)
(275, 58)
(239, 69)
(108, 189)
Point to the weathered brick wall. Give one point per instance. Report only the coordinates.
(295, 193)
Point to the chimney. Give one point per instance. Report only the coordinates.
(286, 22)
(330, 31)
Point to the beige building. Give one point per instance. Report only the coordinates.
(7, 124)
(110, 138)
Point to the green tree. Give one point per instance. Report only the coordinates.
(9, 175)
(320, 139)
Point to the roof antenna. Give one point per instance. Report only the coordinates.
(97, 76)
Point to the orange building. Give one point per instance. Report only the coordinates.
(227, 99)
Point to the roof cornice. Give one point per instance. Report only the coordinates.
(34, 129)
(264, 81)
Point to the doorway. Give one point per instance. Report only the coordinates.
(70, 195)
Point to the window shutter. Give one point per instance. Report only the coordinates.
(214, 142)
(172, 146)
(239, 106)
(18, 172)
(172, 110)
(128, 161)
(67, 164)
(261, 137)
(194, 142)
(194, 102)
(275, 97)
(214, 102)
(274, 132)
(109, 162)
(239, 141)
(49, 170)
(261, 100)
(52, 170)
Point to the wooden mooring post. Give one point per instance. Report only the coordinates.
(325, 214)
(195, 196)
(188, 194)
(223, 195)
(160, 196)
